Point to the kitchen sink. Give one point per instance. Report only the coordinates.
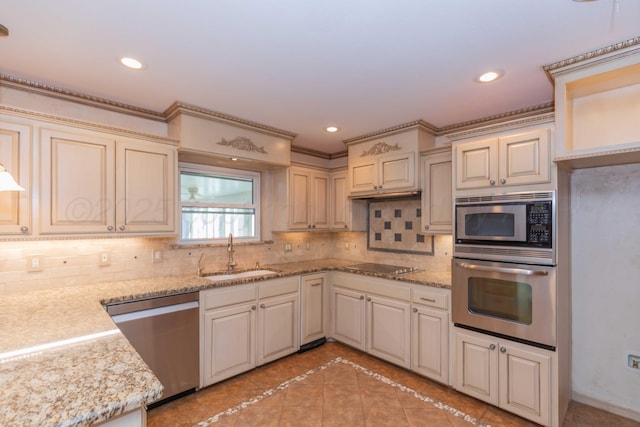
(240, 275)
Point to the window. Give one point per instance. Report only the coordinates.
(216, 202)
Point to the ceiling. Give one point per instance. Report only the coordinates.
(302, 65)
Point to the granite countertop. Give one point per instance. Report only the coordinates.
(91, 373)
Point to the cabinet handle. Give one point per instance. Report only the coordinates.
(361, 296)
(346, 226)
(110, 228)
(415, 310)
(24, 229)
(313, 226)
(121, 228)
(262, 306)
(427, 299)
(316, 284)
(503, 349)
(503, 181)
(492, 182)
(253, 307)
(492, 347)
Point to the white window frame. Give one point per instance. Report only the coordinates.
(226, 172)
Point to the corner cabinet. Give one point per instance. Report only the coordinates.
(513, 376)
(437, 200)
(345, 214)
(15, 156)
(94, 183)
(510, 160)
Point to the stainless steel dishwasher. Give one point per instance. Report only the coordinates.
(164, 331)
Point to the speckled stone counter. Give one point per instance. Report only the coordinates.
(92, 373)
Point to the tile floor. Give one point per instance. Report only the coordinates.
(334, 385)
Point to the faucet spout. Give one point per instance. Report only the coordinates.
(231, 262)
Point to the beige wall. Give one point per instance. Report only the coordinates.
(77, 261)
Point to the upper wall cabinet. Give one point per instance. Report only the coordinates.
(597, 101)
(214, 138)
(100, 183)
(387, 162)
(15, 156)
(437, 201)
(345, 214)
(301, 199)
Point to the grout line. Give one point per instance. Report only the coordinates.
(215, 418)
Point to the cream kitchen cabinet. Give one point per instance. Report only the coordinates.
(245, 326)
(430, 332)
(504, 161)
(346, 214)
(98, 184)
(437, 191)
(372, 315)
(386, 173)
(15, 156)
(314, 299)
(303, 193)
(513, 376)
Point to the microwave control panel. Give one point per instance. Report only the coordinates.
(539, 217)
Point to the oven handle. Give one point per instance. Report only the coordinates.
(503, 269)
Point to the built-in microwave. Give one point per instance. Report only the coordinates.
(511, 227)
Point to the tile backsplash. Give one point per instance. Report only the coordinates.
(395, 226)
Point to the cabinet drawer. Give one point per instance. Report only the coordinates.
(216, 298)
(271, 288)
(430, 298)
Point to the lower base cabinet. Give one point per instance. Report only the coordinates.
(512, 376)
(245, 326)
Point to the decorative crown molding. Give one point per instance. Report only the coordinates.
(598, 56)
(319, 154)
(394, 129)
(77, 97)
(243, 143)
(380, 148)
(520, 122)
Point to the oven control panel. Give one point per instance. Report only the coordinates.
(539, 218)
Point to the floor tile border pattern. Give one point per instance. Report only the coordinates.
(217, 417)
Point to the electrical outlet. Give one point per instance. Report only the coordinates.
(156, 256)
(346, 245)
(34, 262)
(633, 361)
(105, 258)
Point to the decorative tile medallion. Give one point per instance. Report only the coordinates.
(394, 226)
(463, 416)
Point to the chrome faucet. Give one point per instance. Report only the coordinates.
(231, 263)
(199, 269)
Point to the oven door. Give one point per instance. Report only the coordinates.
(491, 223)
(516, 301)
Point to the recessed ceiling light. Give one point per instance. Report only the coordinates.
(489, 76)
(132, 63)
(332, 129)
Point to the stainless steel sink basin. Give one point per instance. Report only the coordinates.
(239, 275)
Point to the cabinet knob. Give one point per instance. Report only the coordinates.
(415, 310)
(121, 228)
(503, 181)
(503, 349)
(492, 182)
(110, 228)
(346, 226)
(253, 307)
(262, 306)
(313, 226)
(369, 299)
(24, 229)
(492, 347)
(361, 296)
(426, 227)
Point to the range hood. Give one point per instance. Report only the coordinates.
(390, 195)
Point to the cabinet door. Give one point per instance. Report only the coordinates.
(77, 183)
(313, 308)
(320, 201)
(299, 199)
(477, 164)
(389, 330)
(397, 172)
(349, 317)
(145, 187)
(430, 343)
(277, 327)
(437, 191)
(15, 156)
(525, 383)
(339, 217)
(524, 158)
(364, 176)
(229, 342)
(477, 367)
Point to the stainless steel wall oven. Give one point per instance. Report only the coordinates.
(503, 272)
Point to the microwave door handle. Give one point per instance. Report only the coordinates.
(503, 269)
